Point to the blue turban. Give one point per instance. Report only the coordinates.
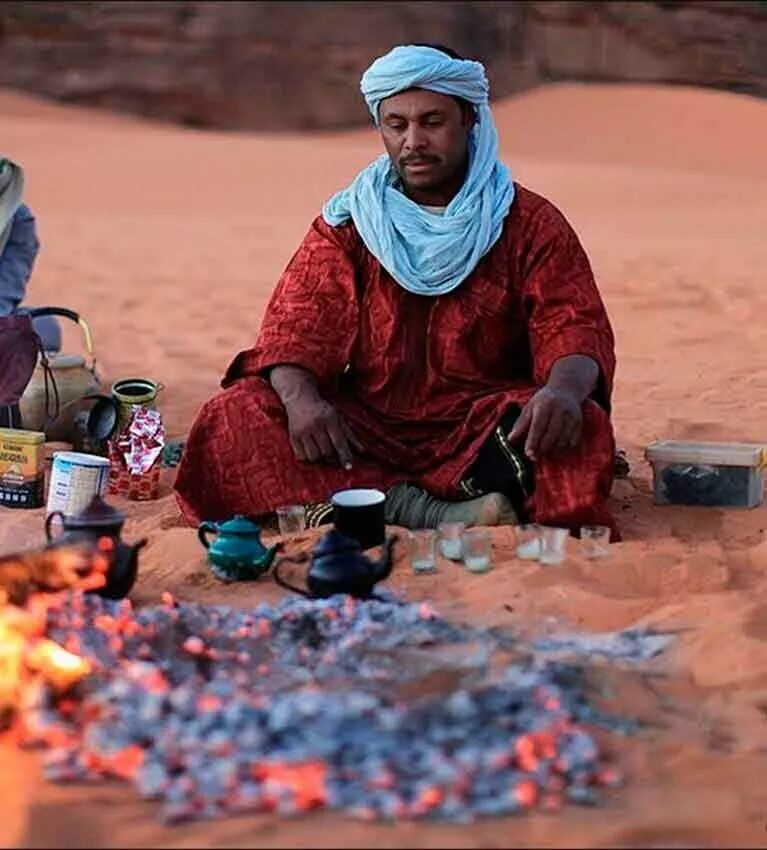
(425, 253)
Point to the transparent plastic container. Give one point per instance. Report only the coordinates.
(721, 475)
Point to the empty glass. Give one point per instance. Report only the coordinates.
(423, 550)
(291, 519)
(595, 540)
(450, 540)
(529, 542)
(476, 545)
(553, 545)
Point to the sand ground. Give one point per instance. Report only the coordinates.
(169, 242)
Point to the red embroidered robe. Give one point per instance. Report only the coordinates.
(422, 381)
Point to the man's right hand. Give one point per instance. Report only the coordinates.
(318, 432)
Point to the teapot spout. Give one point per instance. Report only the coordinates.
(383, 567)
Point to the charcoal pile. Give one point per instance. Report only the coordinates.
(380, 709)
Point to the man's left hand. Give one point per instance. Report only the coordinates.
(553, 422)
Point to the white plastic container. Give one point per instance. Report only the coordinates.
(76, 478)
(722, 475)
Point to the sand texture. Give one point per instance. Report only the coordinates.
(169, 242)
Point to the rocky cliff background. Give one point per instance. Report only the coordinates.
(296, 65)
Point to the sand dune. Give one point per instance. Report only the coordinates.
(169, 241)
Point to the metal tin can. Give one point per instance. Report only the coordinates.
(76, 478)
(21, 468)
(130, 393)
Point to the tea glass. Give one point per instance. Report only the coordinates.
(291, 519)
(595, 540)
(553, 545)
(450, 540)
(529, 542)
(423, 550)
(476, 546)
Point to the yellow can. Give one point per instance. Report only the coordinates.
(22, 475)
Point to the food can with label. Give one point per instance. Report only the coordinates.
(76, 478)
(21, 468)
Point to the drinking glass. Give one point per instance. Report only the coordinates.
(476, 546)
(529, 542)
(553, 545)
(423, 550)
(291, 519)
(450, 540)
(595, 540)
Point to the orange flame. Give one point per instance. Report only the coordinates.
(30, 584)
(59, 668)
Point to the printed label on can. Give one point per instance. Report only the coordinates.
(75, 479)
(21, 469)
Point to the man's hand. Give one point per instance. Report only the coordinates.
(552, 420)
(318, 432)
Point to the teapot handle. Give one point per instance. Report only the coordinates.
(203, 530)
(74, 317)
(49, 520)
(296, 559)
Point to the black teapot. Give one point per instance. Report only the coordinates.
(97, 520)
(338, 566)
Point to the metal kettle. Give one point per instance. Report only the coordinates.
(96, 521)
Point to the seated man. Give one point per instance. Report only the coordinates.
(438, 335)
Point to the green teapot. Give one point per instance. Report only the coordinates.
(237, 553)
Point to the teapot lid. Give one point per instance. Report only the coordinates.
(240, 525)
(97, 513)
(66, 361)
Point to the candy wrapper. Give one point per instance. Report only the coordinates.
(135, 456)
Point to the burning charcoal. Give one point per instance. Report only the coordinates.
(460, 705)
(492, 805)
(298, 706)
(152, 780)
(609, 777)
(582, 795)
(248, 797)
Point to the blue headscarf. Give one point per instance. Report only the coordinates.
(425, 253)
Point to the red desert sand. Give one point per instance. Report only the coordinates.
(169, 242)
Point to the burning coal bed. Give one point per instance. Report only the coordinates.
(378, 708)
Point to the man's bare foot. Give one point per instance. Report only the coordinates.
(491, 509)
(412, 507)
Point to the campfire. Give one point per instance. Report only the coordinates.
(378, 708)
(29, 584)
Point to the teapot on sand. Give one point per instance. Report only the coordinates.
(237, 553)
(59, 384)
(97, 520)
(338, 566)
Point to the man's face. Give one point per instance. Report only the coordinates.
(426, 135)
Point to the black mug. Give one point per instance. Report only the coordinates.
(359, 514)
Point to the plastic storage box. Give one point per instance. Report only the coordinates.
(724, 475)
